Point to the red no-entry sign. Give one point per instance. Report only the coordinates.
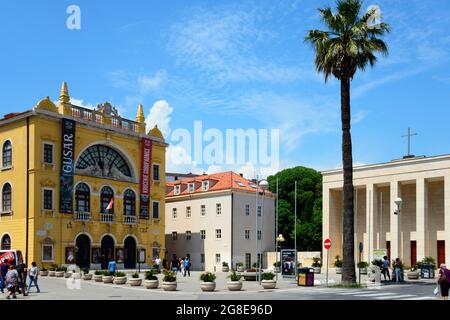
(327, 244)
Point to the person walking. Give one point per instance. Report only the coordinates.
(181, 265)
(112, 266)
(386, 268)
(398, 270)
(158, 264)
(187, 266)
(12, 282)
(175, 264)
(443, 281)
(33, 276)
(22, 271)
(3, 271)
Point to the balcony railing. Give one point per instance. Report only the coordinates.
(106, 217)
(83, 216)
(129, 220)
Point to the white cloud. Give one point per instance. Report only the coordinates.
(159, 115)
(148, 83)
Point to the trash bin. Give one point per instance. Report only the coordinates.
(427, 272)
(305, 277)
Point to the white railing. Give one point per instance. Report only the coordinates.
(106, 217)
(83, 216)
(129, 219)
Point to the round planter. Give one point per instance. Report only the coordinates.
(59, 274)
(249, 276)
(43, 273)
(75, 275)
(87, 276)
(317, 270)
(276, 269)
(97, 277)
(135, 282)
(52, 273)
(413, 275)
(67, 275)
(363, 270)
(225, 269)
(208, 286)
(338, 270)
(240, 269)
(151, 284)
(120, 280)
(107, 279)
(269, 284)
(234, 285)
(169, 286)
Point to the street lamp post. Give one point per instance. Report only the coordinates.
(279, 239)
(264, 185)
(398, 203)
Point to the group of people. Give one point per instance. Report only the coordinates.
(182, 265)
(397, 269)
(14, 279)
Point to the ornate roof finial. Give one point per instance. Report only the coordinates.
(64, 96)
(140, 114)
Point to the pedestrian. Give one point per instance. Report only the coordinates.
(164, 264)
(22, 271)
(33, 275)
(158, 264)
(187, 266)
(443, 280)
(175, 264)
(112, 266)
(386, 268)
(181, 265)
(12, 282)
(3, 271)
(398, 270)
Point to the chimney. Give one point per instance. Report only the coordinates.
(241, 174)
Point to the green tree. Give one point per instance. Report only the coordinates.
(309, 206)
(350, 42)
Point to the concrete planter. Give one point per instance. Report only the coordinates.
(338, 270)
(269, 284)
(135, 282)
(208, 286)
(67, 275)
(234, 285)
(120, 280)
(43, 273)
(87, 276)
(249, 276)
(97, 277)
(60, 274)
(276, 269)
(107, 279)
(75, 275)
(225, 269)
(169, 286)
(317, 270)
(363, 270)
(413, 275)
(151, 284)
(240, 269)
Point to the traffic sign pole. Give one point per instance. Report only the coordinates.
(327, 245)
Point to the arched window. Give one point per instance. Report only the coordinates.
(106, 195)
(6, 198)
(129, 203)
(6, 242)
(82, 196)
(7, 154)
(47, 250)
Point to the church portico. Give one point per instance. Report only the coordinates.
(421, 229)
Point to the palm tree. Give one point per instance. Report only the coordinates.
(349, 43)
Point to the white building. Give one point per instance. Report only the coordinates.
(212, 218)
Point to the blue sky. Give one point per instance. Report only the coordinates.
(234, 64)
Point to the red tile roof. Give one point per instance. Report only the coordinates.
(218, 181)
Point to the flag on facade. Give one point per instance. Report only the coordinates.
(110, 205)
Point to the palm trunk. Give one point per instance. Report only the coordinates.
(348, 267)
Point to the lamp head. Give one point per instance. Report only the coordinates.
(263, 184)
(398, 202)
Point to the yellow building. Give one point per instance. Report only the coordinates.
(81, 186)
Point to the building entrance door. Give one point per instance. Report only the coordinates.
(413, 253)
(130, 253)
(107, 251)
(83, 251)
(388, 249)
(441, 252)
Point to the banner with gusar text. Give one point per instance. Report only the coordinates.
(145, 178)
(67, 166)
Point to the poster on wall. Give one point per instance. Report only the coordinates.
(145, 178)
(70, 255)
(96, 255)
(288, 263)
(120, 255)
(141, 255)
(67, 166)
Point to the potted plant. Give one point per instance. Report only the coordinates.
(151, 280)
(240, 267)
(74, 275)
(268, 281)
(52, 272)
(86, 274)
(427, 267)
(107, 277)
(98, 276)
(225, 267)
(60, 272)
(208, 283)
(120, 278)
(135, 281)
(316, 265)
(169, 281)
(277, 266)
(43, 272)
(338, 265)
(362, 266)
(235, 283)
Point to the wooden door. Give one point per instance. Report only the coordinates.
(413, 253)
(441, 252)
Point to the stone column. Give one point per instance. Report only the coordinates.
(447, 217)
(371, 211)
(395, 246)
(421, 218)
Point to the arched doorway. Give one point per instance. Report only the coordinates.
(130, 253)
(107, 251)
(82, 251)
(6, 242)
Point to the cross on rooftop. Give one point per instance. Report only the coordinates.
(409, 136)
